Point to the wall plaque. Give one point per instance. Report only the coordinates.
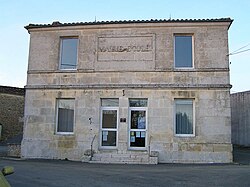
(125, 48)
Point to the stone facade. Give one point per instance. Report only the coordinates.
(11, 111)
(240, 103)
(127, 60)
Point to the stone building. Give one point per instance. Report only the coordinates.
(11, 111)
(129, 92)
(240, 111)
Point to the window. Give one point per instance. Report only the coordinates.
(183, 51)
(65, 116)
(109, 122)
(138, 123)
(68, 54)
(184, 117)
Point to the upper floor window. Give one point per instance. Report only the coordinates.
(183, 53)
(68, 53)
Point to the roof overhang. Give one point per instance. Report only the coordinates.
(131, 23)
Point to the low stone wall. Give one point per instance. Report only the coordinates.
(14, 150)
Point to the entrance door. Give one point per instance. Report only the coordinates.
(138, 124)
(109, 123)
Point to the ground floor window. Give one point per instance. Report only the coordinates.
(65, 116)
(184, 117)
(138, 123)
(109, 122)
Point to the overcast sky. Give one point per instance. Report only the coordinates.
(15, 14)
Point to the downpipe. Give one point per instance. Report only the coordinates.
(91, 148)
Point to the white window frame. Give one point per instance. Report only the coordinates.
(57, 105)
(108, 129)
(141, 130)
(193, 103)
(192, 51)
(60, 54)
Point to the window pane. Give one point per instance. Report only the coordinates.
(109, 119)
(183, 51)
(184, 117)
(138, 102)
(138, 119)
(110, 102)
(137, 138)
(108, 138)
(65, 115)
(68, 53)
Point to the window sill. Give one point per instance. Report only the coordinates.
(184, 69)
(66, 70)
(184, 135)
(107, 148)
(137, 149)
(64, 133)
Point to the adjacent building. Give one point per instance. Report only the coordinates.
(240, 111)
(129, 92)
(11, 112)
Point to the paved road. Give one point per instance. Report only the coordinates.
(52, 173)
(46, 173)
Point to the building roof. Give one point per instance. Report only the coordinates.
(59, 24)
(241, 93)
(12, 90)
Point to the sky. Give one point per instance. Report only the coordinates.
(15, 14)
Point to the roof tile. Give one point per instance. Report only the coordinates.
(58, 24)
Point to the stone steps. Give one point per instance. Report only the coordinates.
(125, 158)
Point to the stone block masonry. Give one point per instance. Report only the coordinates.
(186, 149)
(126, 98)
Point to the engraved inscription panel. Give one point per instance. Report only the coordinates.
(130, 48)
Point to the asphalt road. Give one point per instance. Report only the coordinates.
(47, 173)
(55, 173)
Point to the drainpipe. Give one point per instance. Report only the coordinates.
(150, 137)
(91, 148)
(1, 127)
